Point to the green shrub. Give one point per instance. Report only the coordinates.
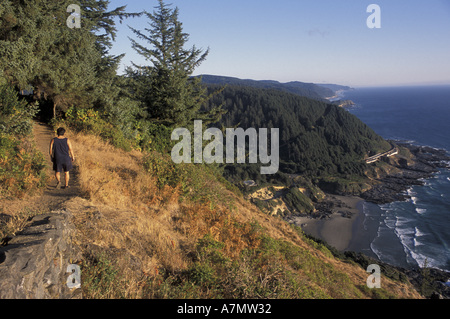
(89, 121)
(164, 169)
(202, 273)
(22, 167)
(298, 202)
(100, 278)
(16, 115)
(21, 164)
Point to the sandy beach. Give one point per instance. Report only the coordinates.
(344, 229)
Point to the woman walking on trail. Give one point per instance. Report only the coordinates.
(61, 153)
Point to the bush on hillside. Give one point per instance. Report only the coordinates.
(21, 164)
(16, 115)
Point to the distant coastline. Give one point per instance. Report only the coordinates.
(339, 98)
(338, 94)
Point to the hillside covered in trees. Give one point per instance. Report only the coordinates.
(311, 90)
(317, 140)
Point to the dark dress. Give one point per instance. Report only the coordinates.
(61, 157)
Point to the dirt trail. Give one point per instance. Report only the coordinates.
(52, 198)
(34, 261)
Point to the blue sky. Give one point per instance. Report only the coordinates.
(320, 41)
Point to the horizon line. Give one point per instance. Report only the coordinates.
(415, 84)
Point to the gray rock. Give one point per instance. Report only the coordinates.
(33, 264)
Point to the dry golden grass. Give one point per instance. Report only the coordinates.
(146, 230)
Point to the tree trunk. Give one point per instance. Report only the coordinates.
(54, 110)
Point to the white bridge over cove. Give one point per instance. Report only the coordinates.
(375, 158)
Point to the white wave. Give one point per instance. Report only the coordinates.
(417, 243)
(423, 260)
(376, 251)
(401, 221)
(390, 226)
(447, 163)
(421, 211)
(448, 178)
(433, 258)
(402, 140)
(406, 235)
(418, 233)
(414, 200)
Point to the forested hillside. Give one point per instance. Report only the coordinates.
(310, 90)
(317, 140)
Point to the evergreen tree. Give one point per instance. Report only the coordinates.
(65, 66)
(166, 88)
(108, 94)
(63, 59)
(18, 39)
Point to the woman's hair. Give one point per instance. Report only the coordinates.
(60, 131)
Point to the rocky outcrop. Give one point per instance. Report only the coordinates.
(33, 264)
(344, 103)
(392, 188)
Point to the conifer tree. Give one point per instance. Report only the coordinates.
(65, 66)
(166, 88)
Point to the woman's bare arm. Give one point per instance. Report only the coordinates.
(70, 150)
(51, 148)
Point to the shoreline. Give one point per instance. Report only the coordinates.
(343, 228)
(340, 219)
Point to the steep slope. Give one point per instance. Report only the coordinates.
(145, 228)
(195, 239)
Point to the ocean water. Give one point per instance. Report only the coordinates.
(415, 232)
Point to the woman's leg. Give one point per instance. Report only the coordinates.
(67, 178)
(58, 178)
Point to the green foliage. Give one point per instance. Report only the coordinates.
(166, 172)
(155, 137)
(350, 185)
(210, 250)
(276, 269)
(65, 66)
(316, 139)
(196, 183)
(310, 90)
(21, 167)
(16, 114)
(101, 278)
(90, 121)
(202, 274)
(166, 90)
(298, 202)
